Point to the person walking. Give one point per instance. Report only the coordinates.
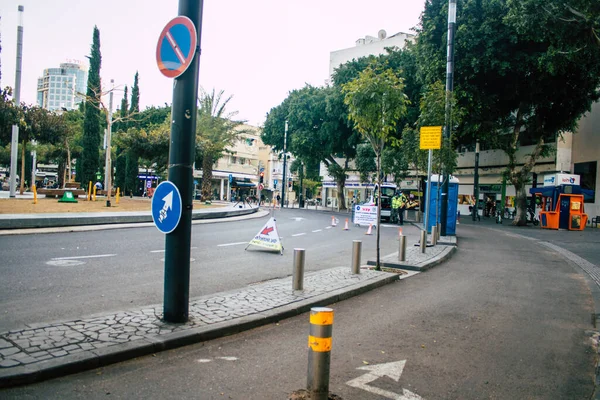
(402, 207)
(395, 206)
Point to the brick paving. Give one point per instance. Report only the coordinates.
(42, 342)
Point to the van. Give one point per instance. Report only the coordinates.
(387, 192)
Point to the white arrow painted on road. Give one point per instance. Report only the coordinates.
(392, 370)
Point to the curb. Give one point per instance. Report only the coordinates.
(440, 258)
(109, 355)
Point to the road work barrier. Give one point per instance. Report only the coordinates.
(319, 352)
(298, 274)
(356, 250)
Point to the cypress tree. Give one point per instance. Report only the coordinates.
(92, 137)
(121, 162)
(132, 164)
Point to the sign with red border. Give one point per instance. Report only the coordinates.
(176, 47)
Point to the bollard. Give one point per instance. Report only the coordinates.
(423, 241)
(319, 352)
(356, 250)
(402, 248)
(34, 194)
(298, 274)
(439, 230)
(434, 236)
(117, 196)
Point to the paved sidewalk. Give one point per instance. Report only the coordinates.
(42, 351)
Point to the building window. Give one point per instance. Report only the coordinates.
(587, 172)
(242, 160)
(233, 159)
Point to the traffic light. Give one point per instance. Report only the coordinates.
(262, 177)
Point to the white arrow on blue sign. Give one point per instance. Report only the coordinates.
(166, 207)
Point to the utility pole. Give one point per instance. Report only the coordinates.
(284, 178)
(447, 128)
(107, 164)
(476, 183)
(181, 174)
(14, 144)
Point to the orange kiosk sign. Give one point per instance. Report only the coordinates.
(562, 205)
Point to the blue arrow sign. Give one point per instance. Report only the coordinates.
(166, 207)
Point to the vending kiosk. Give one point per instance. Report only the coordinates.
(562, 202)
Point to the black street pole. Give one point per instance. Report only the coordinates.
(476, 183)
(181, 165)
(447, 128)
(284, 180)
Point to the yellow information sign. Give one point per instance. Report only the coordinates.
(431, 138)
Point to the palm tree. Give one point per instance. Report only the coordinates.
(216, 130)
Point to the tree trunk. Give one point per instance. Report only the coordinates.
(68, 160)
(207, 164)
(61, 174)
(378, 226)
(520, 204)
(341, 183)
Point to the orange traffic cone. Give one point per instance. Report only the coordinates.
(346, 225)
(333, 221)
(399, 232)
(369, 230)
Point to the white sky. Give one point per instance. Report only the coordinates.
(257, 51)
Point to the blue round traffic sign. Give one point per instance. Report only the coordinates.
(166, 207)
(176, 47)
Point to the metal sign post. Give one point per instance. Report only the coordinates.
(430, 137)
(178, 51)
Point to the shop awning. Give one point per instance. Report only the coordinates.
(242, 184)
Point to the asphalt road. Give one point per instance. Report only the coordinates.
(504, 318)
(58, 276)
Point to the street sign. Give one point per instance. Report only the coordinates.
(176, 47)
(166, 207)
(431, 138)
(260, 186)
(262, 169)
(365, 215)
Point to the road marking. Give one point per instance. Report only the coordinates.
(231, 244)
(298, 234)
(157, 251)
(80, 257)
(318, 230)
(65, 263)
(392, 370)
(328, 227)
(228, 358)
(203, 360)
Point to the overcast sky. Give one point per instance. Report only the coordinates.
(257, 51)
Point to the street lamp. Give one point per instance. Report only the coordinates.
(449, 88)
(476, 183)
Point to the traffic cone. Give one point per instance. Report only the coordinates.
(346, 225)
(399, 232)
(333, 221)
(369, 230)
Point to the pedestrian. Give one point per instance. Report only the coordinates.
(278, 199)
(403, 200)
(395, 206)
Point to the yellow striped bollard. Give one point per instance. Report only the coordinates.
(319, 352)
(117, 196)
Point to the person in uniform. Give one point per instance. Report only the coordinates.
(402, 200)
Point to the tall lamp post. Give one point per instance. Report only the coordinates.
(284, 180)
(449, 88)
(476, 183)
(14, 144)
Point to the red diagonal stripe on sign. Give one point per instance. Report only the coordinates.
(266, 231)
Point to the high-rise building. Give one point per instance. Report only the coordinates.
(63, 87)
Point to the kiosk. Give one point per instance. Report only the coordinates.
(562, 202)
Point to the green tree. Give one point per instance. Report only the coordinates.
(121, 126)
(90, 156)
(376, 102)
(132, 158)
(318, 131)
(216, 130)
(522, 77)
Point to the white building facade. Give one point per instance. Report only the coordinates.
(63, 87)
